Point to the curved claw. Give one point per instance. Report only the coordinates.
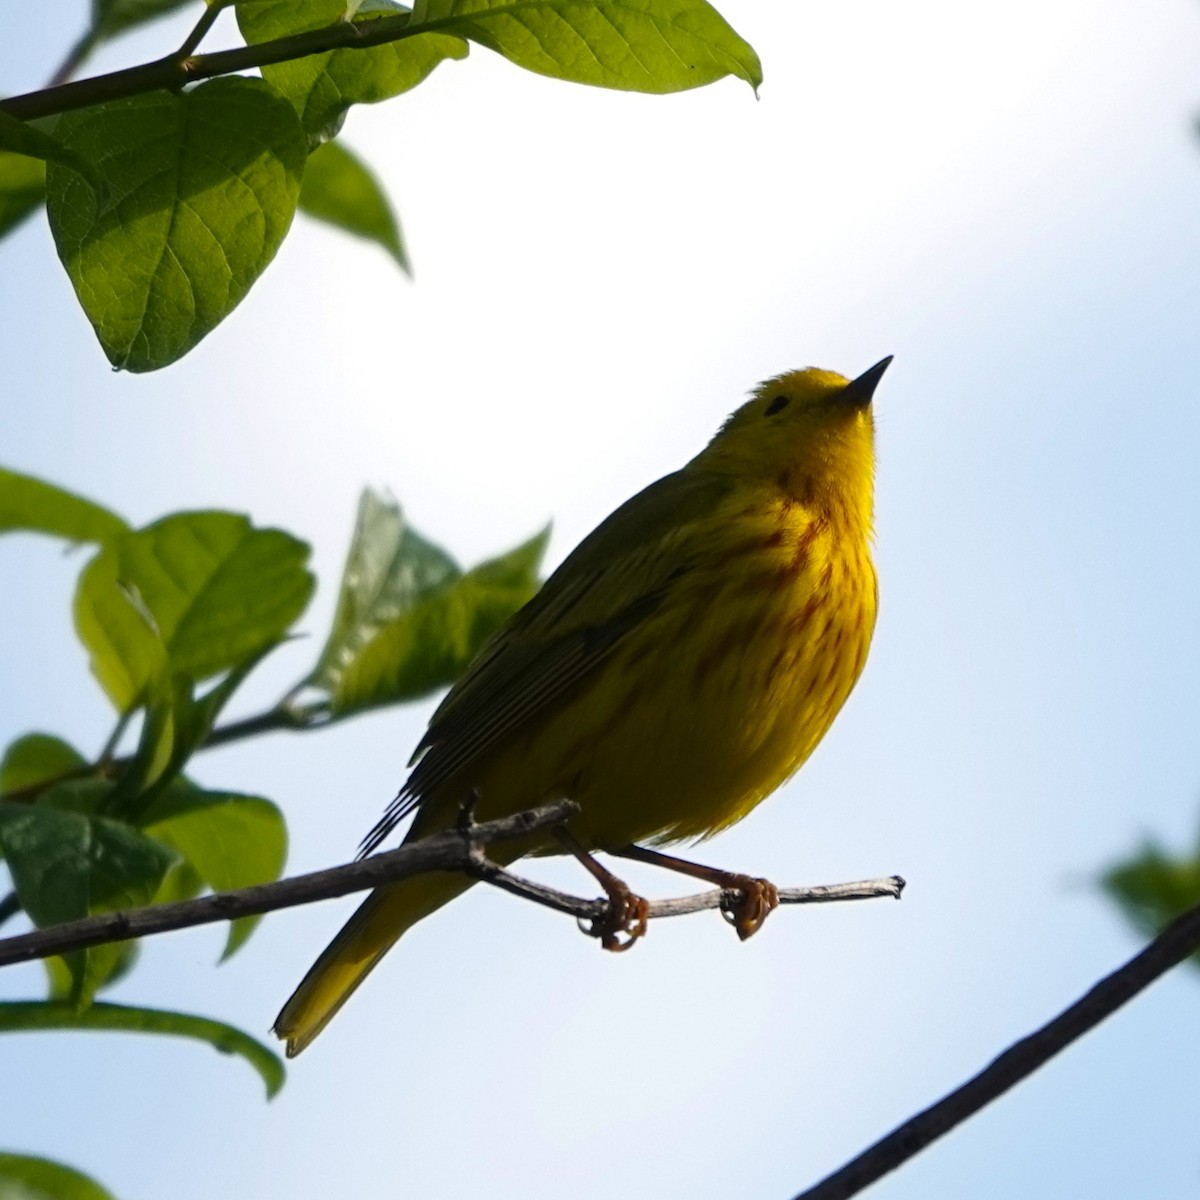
(625, 914)
(748, 902)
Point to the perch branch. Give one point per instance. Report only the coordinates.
(1177, 942)
(449, 851)
(589, 910)
(460, 849)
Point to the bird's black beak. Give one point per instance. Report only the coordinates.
(858, 392)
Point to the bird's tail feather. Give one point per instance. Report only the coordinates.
(384, 916)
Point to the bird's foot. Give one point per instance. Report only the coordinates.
(748, 902)
(625, 914)
(623, 921)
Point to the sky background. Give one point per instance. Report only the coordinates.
(1006, 198)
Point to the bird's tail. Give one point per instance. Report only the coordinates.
(386, 913)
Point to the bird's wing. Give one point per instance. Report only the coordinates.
(609, 584)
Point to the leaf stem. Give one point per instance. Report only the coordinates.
(274, 719)
(109, 749)
(212, 10)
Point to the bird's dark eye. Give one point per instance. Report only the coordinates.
(777, 405)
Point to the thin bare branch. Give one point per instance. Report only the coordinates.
(589, 910)
(458, 849)
(1177, 942)
(449, 851)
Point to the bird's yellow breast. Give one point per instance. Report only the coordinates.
(719, 697)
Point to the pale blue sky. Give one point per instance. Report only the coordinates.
(1008, 200)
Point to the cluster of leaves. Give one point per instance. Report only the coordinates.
(1153, 887)
(167, 204)
(173, 617)
(169, 188)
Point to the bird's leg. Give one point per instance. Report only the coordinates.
(626, 912)
(746, 912)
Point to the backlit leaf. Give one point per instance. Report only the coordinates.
(25, 137)
(339, 190)
(35, 506)
(408, 620)
(635, 45)
(23, 1177)
(120, 1018)
(323, 86)
(201, 189)
(66, 865)
(202, 591)
(22, 189)
(36, 758)
(389, 568)
(1153, 888)
(228, 840)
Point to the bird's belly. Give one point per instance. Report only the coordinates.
(733, 708)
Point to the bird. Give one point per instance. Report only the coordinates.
(678, 667)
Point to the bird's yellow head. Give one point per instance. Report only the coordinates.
(810, 431)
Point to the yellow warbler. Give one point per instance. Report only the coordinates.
(678, 667)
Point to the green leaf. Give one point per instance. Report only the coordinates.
(29, 1016)
(431, 646)
(60, 983)
(339, 190)
(23, 1177)
(66, 865)
(634, 45)
(323, 86)
(389, 567)
(408, 620)
(89, 796)
(1152, 888)
(228, 840)
(36, 758)
(38, 507)
(180, 884)
(167, 701)
(205, 590)
(22, 189)
(111, 17)
(202, 189)
(23, 137)
(124, 647)
(176, 725)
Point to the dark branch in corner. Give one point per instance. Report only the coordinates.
(1177, 942)
(459, 849)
